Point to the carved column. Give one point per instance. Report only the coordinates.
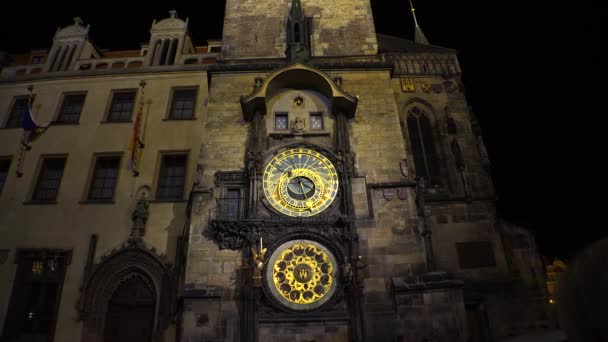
(346, 169)
(424, 226)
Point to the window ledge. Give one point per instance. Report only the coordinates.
(65, 123)
(34, 202)
(115, 122)
(106, 202)
(168, 201)
(188, 119)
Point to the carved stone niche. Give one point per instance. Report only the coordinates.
(298, 76)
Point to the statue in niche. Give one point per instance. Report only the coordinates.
(140, 215)
(297, 126)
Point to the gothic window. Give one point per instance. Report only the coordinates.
(71, 108)
(182, 104)
(423, 146)
(5, 164)
(281, 121)
(36, 295)
(316, 121)
(15, 117)
(103, 181)
(121, 107)
(475, 254)
(171, 177)
(49, 179)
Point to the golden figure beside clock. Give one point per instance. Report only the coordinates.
(300, 182)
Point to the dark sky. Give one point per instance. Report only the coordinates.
(532, 73)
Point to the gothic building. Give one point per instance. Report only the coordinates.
(302, 179)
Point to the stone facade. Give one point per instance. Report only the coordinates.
(419, 250)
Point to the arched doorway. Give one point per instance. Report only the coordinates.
(130, 315)
(129, 296)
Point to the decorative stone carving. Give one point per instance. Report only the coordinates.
(350, 162)
(133, 259)
(297, 126)
(404, 169)
(347, 273)
(140, 214)
(388, 193)
(340, 161)
(233, 234)
(198, 176)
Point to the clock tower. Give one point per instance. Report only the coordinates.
(256, 28)
(340, 185)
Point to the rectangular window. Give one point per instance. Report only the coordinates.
(103, 181)
(49, 179)
(316, 121)
(171, 177)
(121, 107)
(233, 201)
(32, 312)
(71, 108)
(183, 103)
(15, 117)
(5, 164)
(475, 254)
(281, 122)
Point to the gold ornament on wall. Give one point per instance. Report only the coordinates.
(407, 85)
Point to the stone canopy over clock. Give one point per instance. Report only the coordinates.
(300, 182)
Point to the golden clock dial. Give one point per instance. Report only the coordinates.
(300, 182)
(302, 274)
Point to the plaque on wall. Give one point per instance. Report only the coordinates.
(302, 274)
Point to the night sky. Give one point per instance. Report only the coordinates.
(532, 73)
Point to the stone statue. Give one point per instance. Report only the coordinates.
(297, 126)
(350, 161)
(140, 217)
(198, 175)
(347, 273)
(251, 162)
(340, 161)
(258, 266)
(361, 265)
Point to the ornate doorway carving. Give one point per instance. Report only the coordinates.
(131, 289)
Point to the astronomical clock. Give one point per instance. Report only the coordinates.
(301, 183)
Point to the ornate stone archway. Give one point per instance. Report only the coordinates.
(133, 259)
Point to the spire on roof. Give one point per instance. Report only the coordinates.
(419, 35)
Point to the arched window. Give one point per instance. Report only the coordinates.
(423, 146)
(164, 52)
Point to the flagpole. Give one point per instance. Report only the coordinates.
(23, 147)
